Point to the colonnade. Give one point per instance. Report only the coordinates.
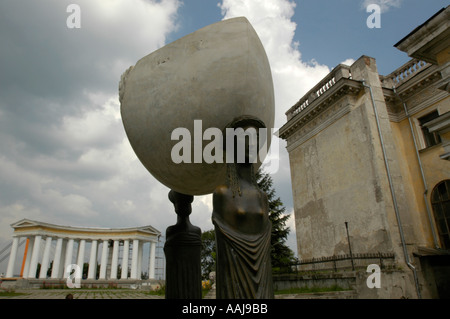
(71, 247)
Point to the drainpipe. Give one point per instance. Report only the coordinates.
(350, 247)
(433, 230)
(394, 198)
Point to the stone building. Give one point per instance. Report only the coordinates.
(372, 152)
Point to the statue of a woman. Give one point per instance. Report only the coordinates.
(243, 231)
(182, 250)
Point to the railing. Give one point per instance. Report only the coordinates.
(341, 71)
(406, 71)
(6, 251)
(343, 262)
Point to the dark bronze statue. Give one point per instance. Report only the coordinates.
(182, 250)
(243, 231)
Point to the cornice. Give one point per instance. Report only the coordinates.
(342, 87)
(26, 227)
(418, 93)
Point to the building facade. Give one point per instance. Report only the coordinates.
(112, 249)
(372, 152)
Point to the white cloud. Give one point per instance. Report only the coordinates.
(272, 22)
(100, 126)
(140, 25)
(385, 5)
(65, 156)
(348, 61)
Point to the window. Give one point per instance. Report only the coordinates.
(430, 139)
(440, 199)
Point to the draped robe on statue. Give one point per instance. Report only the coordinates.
(183, 269)
(244, 271)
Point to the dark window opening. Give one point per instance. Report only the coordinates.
(431, 139)
(440, 200)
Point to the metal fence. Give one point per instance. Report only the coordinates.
(343, 262)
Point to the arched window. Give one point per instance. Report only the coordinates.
(440, 199)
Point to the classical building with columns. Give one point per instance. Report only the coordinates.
(118, 251)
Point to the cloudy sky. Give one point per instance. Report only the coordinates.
(65, 158)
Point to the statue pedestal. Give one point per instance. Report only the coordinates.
(183, 269)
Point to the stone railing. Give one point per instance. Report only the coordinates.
(406, 71)
(341, 71)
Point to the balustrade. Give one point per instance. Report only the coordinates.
(341, 71)
(406, 71)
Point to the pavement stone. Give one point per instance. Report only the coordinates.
(82, 294)
(144, 294)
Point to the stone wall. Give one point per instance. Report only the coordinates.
(338, 176)
(395, 284)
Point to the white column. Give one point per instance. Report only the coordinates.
(139, 264)
(45, 258)
(134, 259)
(12, 257)
(80, 259)
(62, 263)
(35, 256)
(104, 260)
(69, 256)
(93, 260)
(57, 259)
(28, 257)
(115, 259)
(151, 262)
(126, 248)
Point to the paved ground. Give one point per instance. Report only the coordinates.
(81, 294)
(143, 294)
(126, 293)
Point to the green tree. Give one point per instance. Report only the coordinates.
(281, 254)
(84, 273)
(208, 254)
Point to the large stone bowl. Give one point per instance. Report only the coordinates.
(216, 74)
